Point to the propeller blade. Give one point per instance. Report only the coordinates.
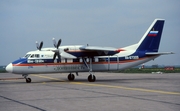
(41, 44)
(54, 42)
(54, 57)
(56, 52)
(59, 43)
(37, 45)
(59, 57)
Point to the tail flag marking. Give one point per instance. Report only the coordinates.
(153, 33)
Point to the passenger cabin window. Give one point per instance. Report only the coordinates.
(102, 59)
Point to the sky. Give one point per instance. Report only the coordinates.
(112, 23)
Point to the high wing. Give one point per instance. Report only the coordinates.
(88, 51)
(97, 48)
(73, 52)
(98, 51)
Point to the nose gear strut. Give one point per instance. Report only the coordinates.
(28, 80)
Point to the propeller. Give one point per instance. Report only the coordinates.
(58, 44)
(56, 52)
(39, 46)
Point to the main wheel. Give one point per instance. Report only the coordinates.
(91, 78)
(71, 77)
(28, 80)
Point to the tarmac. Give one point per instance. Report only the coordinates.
(110, 92)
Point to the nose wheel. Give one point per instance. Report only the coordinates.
(28, 80)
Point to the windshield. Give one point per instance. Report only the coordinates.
(27, 55)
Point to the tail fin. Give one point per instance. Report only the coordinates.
(151, 39)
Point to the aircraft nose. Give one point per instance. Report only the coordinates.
(9, 68)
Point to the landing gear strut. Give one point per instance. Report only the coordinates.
(28, 80)
(71, 77)
(91, 77)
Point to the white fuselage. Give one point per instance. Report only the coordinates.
(41, 62)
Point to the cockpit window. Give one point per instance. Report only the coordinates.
(32, 56)
(27, 55)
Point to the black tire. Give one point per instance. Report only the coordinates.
(71, 77)
(28, 80)
(90, 79)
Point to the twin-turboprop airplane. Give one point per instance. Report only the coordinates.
(79, 58)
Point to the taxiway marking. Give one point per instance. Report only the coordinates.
(111, 86)
(48, 77)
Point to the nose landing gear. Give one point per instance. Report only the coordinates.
(28, 80)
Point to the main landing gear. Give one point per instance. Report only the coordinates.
(28, 80)
(91, 77)
(71, 77)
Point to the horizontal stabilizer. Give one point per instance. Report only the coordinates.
(159, 53)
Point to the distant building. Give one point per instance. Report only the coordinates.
(169, 68)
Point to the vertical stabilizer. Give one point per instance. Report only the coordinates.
(151, 39)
